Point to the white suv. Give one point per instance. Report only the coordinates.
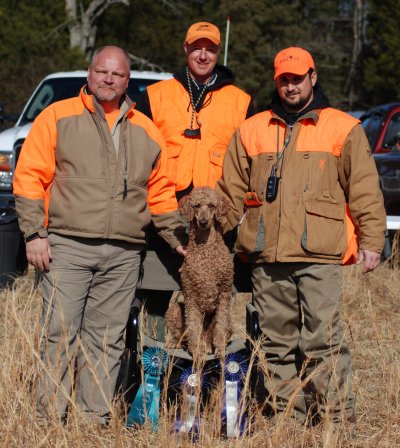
(55, 87)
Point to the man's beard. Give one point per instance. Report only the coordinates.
(106, 95)
(297, 105)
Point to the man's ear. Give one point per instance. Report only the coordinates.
(314, 77)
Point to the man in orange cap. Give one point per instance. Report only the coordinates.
(304, 190)
(197, 111)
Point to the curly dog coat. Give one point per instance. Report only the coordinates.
(203, 320)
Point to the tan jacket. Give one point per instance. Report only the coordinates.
(70, 179)
(328, 194)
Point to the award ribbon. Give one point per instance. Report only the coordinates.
(147, 400)
(233, 417)
(192, 383)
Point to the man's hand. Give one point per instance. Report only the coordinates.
(181, 251)
(369, 259)
(38, 253)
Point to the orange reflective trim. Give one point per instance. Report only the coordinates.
(259, 133)
(350, 256)
(329, 136)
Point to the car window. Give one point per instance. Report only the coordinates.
(372, 125)
(57, 89)
(51, 90)
(391, 140)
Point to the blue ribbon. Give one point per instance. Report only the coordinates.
(193, 384)
(146, 403)
(234, 419)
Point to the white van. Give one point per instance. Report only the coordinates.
(54, 87)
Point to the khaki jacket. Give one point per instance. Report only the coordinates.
(70, 180)
(328, 202)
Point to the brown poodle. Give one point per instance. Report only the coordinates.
(203, 320)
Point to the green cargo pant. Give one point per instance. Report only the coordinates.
(87, 296)
(308, 360)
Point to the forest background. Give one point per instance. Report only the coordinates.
(355, 43)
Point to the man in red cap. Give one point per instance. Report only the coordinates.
(305, 196)
(197, 111)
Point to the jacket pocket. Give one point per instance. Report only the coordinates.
(251, 232)
(324, 230)
(173, 154)
(217, 157)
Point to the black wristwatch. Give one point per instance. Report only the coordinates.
(41, 234)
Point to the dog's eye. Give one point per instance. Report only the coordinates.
(211, 206)
(197, 206)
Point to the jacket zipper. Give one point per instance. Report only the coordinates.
(97, 119)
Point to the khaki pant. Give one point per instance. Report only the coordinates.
(308, 360)
(87, 295)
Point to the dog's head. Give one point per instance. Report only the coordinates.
(203, 205)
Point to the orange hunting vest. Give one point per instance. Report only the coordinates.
(197, 160)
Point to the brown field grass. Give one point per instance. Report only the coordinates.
(371, 315)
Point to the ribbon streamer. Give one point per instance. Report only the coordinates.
(233, 417)
(193, 384)
(146, 403)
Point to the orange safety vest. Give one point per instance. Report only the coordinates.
(197, 160)
(260, 135)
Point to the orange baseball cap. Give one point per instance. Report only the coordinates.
(203, 30)
(293, 60)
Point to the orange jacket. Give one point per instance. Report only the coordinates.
(190, 159)
(329, 182)
(70, 179)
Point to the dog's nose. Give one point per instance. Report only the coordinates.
(203, 222)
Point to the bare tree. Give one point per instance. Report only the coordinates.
(82, 23)
(359, 19)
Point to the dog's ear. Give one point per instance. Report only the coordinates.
(185, 208)
(222, 208)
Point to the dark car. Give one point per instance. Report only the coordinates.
(382, 126)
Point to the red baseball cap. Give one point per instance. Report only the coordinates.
(293, 60)
(203, 30)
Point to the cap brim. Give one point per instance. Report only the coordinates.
(291, 70)
(211, 39)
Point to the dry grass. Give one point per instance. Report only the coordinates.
(371, 312)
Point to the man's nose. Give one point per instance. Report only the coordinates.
(109, 77)
(203, 53)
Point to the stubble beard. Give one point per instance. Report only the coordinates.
(104, 97)
(295, 106)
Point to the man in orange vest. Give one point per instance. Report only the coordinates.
(305, 197)
(197, 111)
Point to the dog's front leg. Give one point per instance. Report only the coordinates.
(194, 321)
(222, 329)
